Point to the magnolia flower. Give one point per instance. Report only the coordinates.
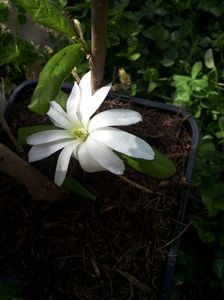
(89, 140)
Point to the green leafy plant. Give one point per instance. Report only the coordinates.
(16, 54)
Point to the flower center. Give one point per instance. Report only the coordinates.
(79, 133)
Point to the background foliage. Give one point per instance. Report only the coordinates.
(170, 51)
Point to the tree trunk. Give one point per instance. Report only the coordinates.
(98, 35)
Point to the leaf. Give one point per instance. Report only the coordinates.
(77, 188)
(204, 230)
(48, 14)
(4, 11)
(61, 99)
(181, 78)
(169, 57)
(218, 203)
(134, 56)
(199, 84)
(9, 54)
(160, 167)
(196, 69)
(9, 291)
(24, 132)
(218, 268)
(53, 75)
(215, 7)
(209, 59)
(150, 74)
(63, 3)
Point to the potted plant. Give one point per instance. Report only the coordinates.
(116, 246)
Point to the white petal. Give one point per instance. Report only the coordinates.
(87, 162)
(42, 151)
(85, 85)
(63, 161)
(114, 117)
(89, 105)
(73, 102)
(58, 108)
(103, 155)
(48, 136)
(58, 116)
(123, 142)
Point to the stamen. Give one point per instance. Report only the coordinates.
(79, 133)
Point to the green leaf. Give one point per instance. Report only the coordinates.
(215, 7)
(61, 99)
(199, 84)
(4, 11)
(160, 167)
(77, 188)
(196, 69)
(152, 85)
(204, 230)
(63, 3)
(9, 53)
(181, 78)
(48, 14)
(209, 59)
(24, 132)
(218, 267)
(9, 291)
(206, 236)
(218, 203)
(53, 75)
(150, 74)
(134, 56)
(169, 57)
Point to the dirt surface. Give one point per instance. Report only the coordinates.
(110, 249)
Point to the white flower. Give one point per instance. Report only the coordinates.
(89, 140)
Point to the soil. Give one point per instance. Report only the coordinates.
(108, 249)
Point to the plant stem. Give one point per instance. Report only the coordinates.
(8, 131)
(98, 36)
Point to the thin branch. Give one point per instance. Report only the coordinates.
(38, 185)
(12, 138)
(176, 237)
(136, 185)
(98, 36)
(133, 280)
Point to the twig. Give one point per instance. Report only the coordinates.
(135, 281)
(176, 237)
(136, 185)
(3, 123)
(12, 138)
(75, 75)
(38, 185)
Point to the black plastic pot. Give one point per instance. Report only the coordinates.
(194, 131)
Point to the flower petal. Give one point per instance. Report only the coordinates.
(103, 155)
(114, 117)
(87, 162)
(58, 108)
(73, 102)
(85, 85)
(123, 142)
(48, 136)
(89, 105)
(42, 151)
(63, 162)
(58, 116)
